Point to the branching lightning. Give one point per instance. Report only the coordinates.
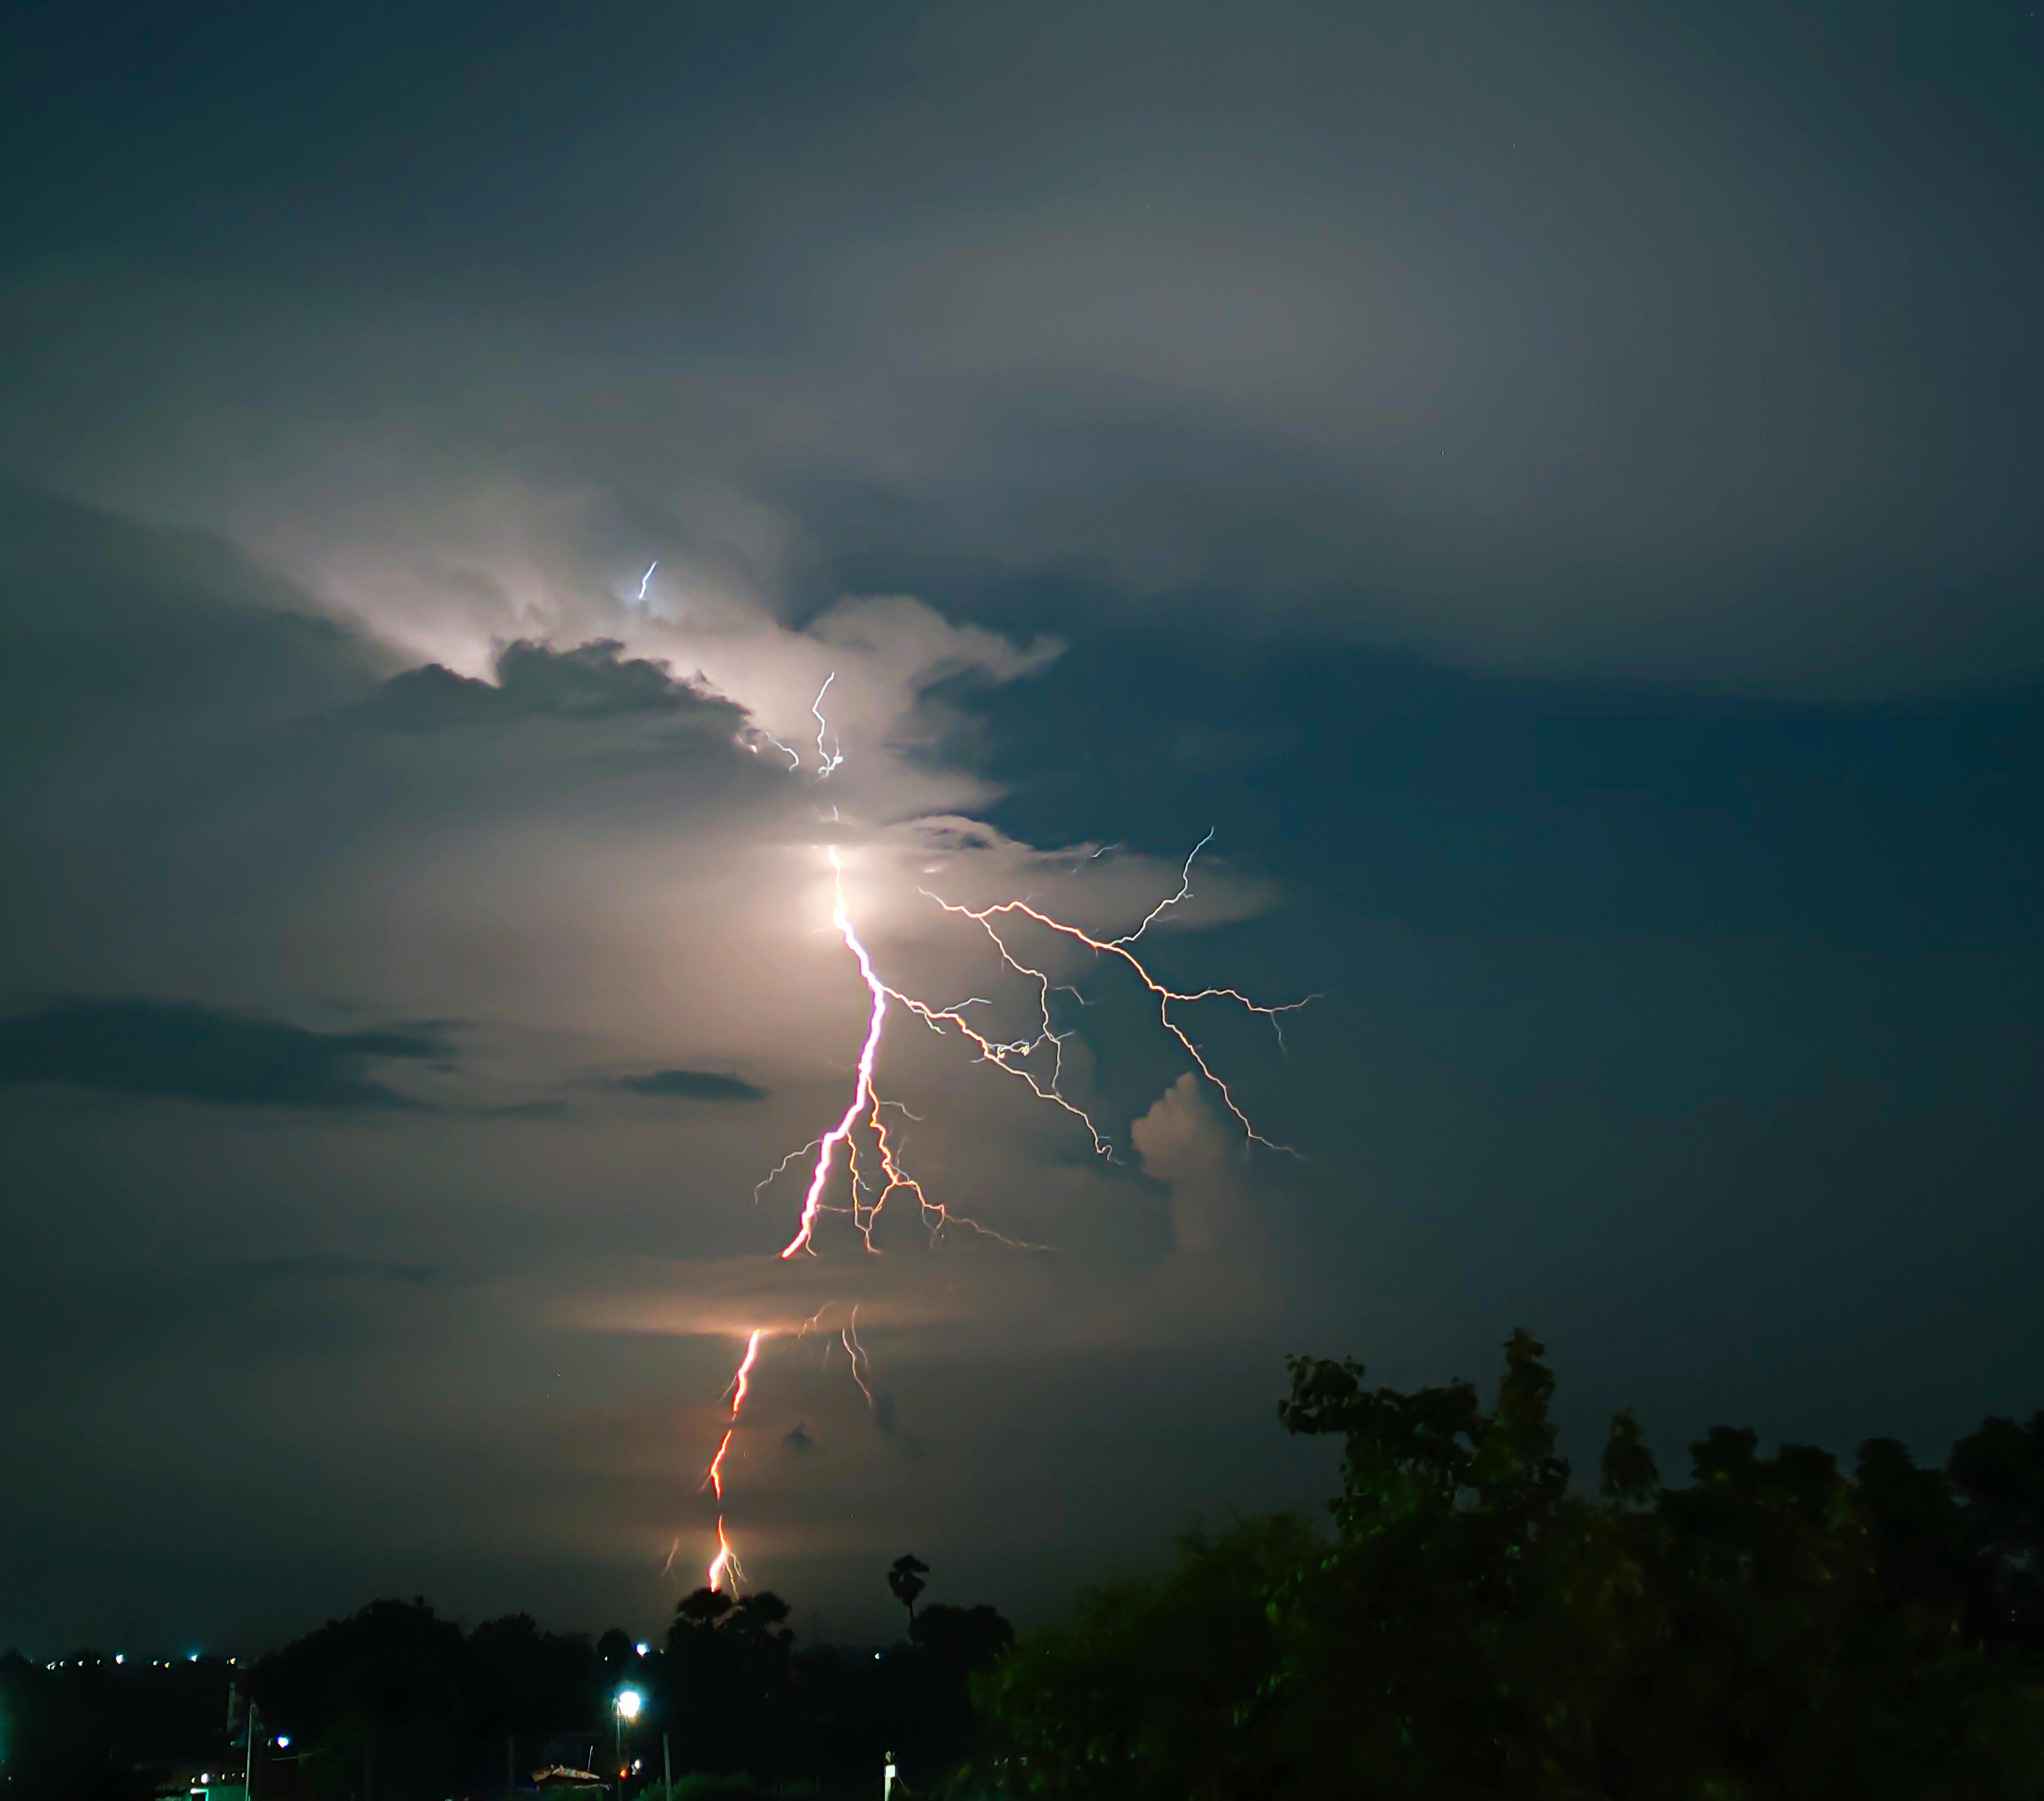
(724, 1567)
(876, 1176)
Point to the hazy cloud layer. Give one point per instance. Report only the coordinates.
(196, 1053)
(692, 1085)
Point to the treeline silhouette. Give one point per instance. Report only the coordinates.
(1775, 1629)
(395, 1704)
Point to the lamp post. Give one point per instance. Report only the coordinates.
(625, 1709)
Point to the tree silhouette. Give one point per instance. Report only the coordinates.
(1776, 1629)
(906, 1580)
(704, 1607)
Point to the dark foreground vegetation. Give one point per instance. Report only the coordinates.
(1774, 1629)
(394, 1704)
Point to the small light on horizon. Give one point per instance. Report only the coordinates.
(640, 1647)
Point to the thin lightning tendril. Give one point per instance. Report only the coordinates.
(853, 1349)
(831, 758)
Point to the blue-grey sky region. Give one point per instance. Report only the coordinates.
(1552, 489)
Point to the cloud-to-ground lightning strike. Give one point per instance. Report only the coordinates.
(725, 1565)
(864, 1114)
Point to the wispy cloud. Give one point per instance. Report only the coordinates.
(691, 1085)
(189, 1051)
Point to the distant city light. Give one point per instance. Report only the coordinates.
(640, 1647)
(283, 1741)
(629, 1702)
(120, 1656)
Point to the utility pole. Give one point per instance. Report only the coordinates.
(248, 1773)
(666, 1769)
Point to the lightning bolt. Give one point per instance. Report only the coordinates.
(725, 1566)
(863, 1119)
(828, 760)
(853, 1349)
(646, 577)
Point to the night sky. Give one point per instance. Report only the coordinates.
(1554, 489)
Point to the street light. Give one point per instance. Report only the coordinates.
(627, 1707)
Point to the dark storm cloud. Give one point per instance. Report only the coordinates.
(188, 1051)
(592, 681)
(1684, 342)
(692, 1085)
(109, 618)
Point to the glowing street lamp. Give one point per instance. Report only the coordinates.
(627, 1708)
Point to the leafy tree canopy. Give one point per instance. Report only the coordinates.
(1476, 1627)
